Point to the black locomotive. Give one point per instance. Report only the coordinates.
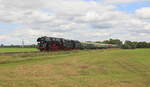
(55, 44)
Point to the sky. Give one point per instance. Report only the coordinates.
(84, 20)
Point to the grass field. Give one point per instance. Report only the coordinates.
(3, 50)
(88, 68)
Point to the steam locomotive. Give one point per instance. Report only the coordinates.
(55, 44)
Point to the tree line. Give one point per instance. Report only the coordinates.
(133, 45)
(127, 44)
(17, 46)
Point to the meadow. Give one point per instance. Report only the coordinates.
(79, 68)
(3, 50)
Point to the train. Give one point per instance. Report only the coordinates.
(46, 44)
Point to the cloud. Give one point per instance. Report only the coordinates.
(143, 13)
(72, 19)
(121, 1)
(21, 5)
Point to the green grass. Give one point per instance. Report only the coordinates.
(87, 68)
(3, 50)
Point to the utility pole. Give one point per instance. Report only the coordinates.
(22, 43)
(109, 37)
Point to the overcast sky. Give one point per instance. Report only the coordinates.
(84, 20)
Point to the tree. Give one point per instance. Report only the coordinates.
(113, 41)
(129, 45)
(133, 45)
(2, 45)
(143, 45)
